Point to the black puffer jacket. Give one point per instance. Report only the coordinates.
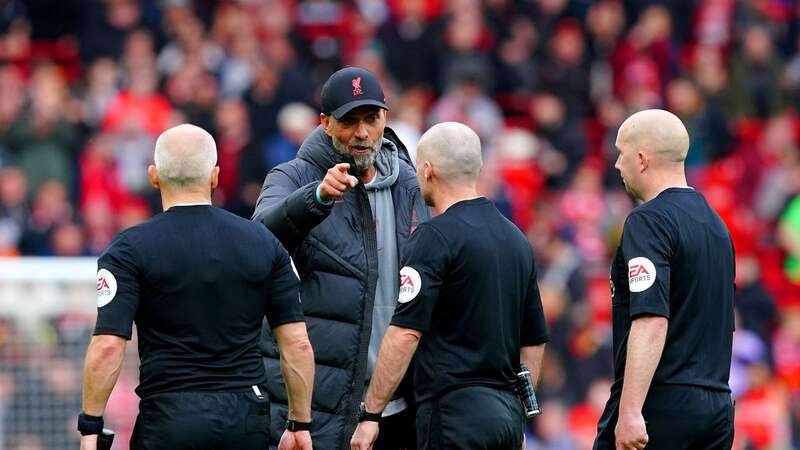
(335, 252)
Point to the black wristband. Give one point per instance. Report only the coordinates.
(293, 425)
(89, 424)
(364, 416)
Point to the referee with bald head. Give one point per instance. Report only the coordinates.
(469, 307)
(672, 282)
(198, 299)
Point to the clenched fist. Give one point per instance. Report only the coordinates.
(336, 182)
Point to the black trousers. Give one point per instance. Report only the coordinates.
(678, 418)
(471, 418)
(397, 432)
(202, 421)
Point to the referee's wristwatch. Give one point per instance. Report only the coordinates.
(294, 425)
(365, 416)
(89, 424)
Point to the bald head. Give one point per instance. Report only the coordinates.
(185, 156)
(658, 133)
(454, 150)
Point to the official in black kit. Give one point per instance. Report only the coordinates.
(672, 299)
(469, 307)
(198, 281)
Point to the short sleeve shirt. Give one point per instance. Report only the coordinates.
(468, 282)
(198, 282)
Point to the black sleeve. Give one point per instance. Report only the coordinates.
(533, 330)
(647, 246)
(288, 210)
(117, 288)
(283, 292)
(421, 277)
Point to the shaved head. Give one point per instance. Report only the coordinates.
(185, 155)
(454, 150)
(658, 133)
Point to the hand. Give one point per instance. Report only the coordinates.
(631, 432)
(365, 435)
(89, 442)
(336, 182)
(295, 440)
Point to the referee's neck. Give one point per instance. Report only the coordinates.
(662, 183)
(447, 199)
(170, 199)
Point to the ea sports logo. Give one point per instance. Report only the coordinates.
(641, 274)
(106, 287)
(410, 284)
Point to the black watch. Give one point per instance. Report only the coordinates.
(89, 424)
(365, 416)
(293, 425)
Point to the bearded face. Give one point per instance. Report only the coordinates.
(363, 151)
(359, 133)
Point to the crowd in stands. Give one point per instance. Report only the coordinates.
(87, 85)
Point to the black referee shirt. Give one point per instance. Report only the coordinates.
(468, 282)
(676, 260)
(198, 282)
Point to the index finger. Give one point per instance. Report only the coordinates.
(342, 167)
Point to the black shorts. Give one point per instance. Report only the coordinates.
(678, 418)
(202, 421)
(474, 418)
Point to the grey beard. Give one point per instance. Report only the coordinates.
(362, 162)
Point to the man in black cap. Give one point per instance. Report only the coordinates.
(344, 209)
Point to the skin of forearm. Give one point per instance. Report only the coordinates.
(297, 366)
(394, 356)
(100, 372)
(645, 345)
(532, 357)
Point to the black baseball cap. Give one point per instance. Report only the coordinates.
(350, 88)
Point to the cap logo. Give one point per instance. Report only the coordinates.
(357, 86)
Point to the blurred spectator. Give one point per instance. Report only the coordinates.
(757, 311)
(466, 102)
(42, 141)
(189, 46)
(561, 131)
(295, 122)
(50, 208)
(140, 106)
(762, 420)
(106, 26)
(645, 57)
(605, 22)
(235, 145)
(748, 349)
(779, 167)
(466, 44)
(407, 36)
(102, 87)
(705, 123)
(566, 69)
(517, 68)
(787, 349)
(13, 209)
(551, 429)
(755, 84)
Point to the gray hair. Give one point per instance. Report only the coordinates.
(455, 149)
(185, 155)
